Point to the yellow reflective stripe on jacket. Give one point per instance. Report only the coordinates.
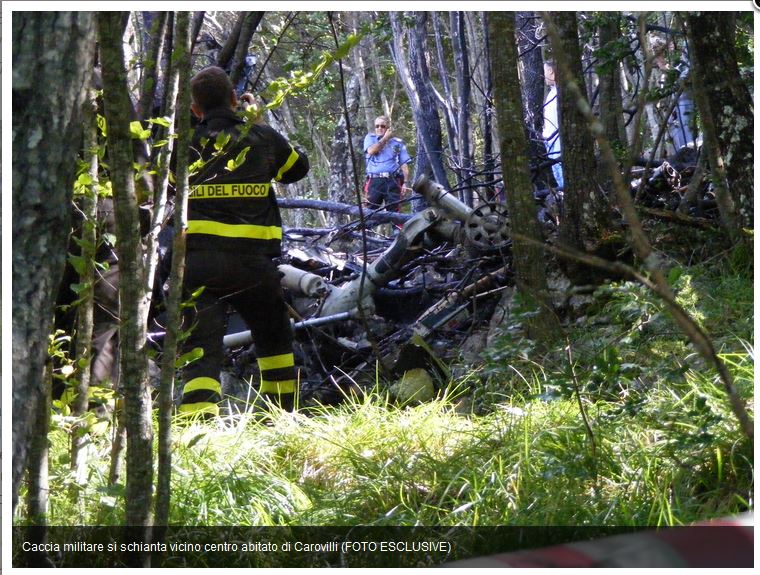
(249, 231)
(206, 383)
(275, 361)
(292, 159)
(278, 387)
(221, 191)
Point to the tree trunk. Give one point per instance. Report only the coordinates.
(610, 90)
(351, 209)
(359, 63)
(586, 213)
(49, 49)
(160, 196)
(162, 96)
(380, 87)
(475, 26)
(530, 273)
(416, 79)
(489, 162)
(85, 309)
(726, 107)
(118, 445)
(342, 186)
(445, 100)
(197, 24)
(38, 479)
(180, 73)
(228, 50)
(150, 63)
(132, 293)
(533, 93)
(251, 22)
(462, 68)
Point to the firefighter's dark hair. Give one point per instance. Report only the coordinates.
(211, 88)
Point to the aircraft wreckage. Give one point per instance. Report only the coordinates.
(387, 310)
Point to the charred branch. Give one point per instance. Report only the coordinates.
(377, 216)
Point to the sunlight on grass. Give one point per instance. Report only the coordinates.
(504, 445)
(526, 463)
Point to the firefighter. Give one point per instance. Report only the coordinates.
(234, 231)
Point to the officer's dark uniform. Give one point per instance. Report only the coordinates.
(234, 230)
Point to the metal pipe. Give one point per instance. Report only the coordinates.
(242, 338)
(381, 271)
(437, 195)
(301, 281)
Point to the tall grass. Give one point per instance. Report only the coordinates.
(672, 460)
(667, 449)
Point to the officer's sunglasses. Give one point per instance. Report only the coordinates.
(380, 126)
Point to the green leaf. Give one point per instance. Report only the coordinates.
(78, 288)
(137, 132)
(195, 166)
(105, 189)
(238, 161)
(674, 274)
(186, 358)
(222, 139)
(102, 125)
(82, 182)
(241, 156)
(78, 263)
(163, 121)
(196, 439)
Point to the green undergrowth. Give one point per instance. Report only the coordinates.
(504, 445)
(672, 459)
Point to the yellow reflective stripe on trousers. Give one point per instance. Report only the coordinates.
(278, 387)
(249, 231)
(292, 159)
(206, 383)
(221, 191)
(200, 408)
(275, 361)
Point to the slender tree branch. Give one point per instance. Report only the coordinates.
(179, 76)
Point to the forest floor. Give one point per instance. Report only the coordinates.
(505, 443)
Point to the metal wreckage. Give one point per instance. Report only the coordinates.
(368, 308)
(399, 310)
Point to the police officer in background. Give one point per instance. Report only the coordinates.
(387, 167)
(234, 230)
(551, 123)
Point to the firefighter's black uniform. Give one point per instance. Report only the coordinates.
(233, 232)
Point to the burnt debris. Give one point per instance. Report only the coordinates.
(387, 306)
